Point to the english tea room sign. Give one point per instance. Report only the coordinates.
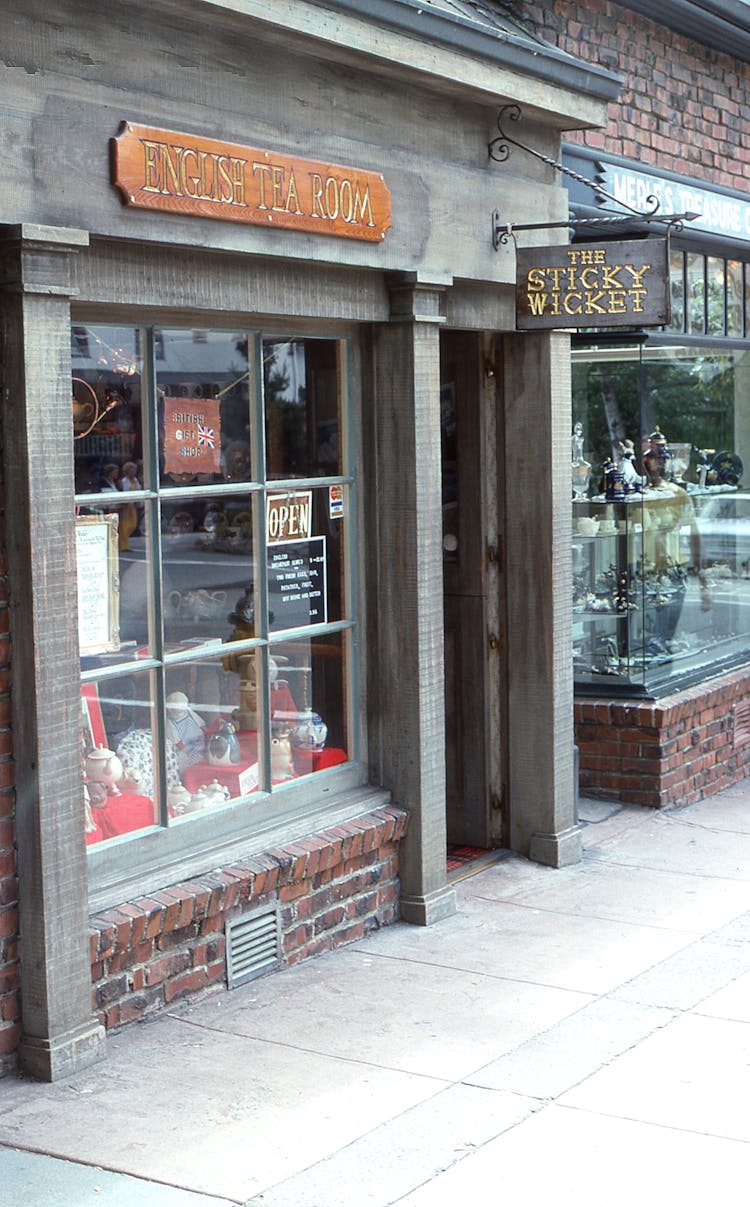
(593, 285)
(185, 174)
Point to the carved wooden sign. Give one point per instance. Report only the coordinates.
(623, 284)
(186, 174)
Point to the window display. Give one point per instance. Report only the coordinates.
(661, 516)
(213, 569)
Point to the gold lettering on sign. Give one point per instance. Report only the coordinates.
(586, 285)
(175, 171)
(189, 174)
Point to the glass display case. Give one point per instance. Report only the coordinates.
(661, 513)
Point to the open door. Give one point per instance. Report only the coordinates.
(473, 644)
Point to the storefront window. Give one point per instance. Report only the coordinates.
(661, 512)
(215, 603)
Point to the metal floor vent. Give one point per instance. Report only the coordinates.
(253, 945)
(741, 724)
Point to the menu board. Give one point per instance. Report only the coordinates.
(98, 584)
(297, 593)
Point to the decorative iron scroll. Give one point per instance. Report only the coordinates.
(499, 150)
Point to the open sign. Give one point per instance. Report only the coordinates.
(289, 517)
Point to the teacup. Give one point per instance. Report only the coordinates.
(588, 525)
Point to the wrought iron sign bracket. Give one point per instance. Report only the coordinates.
(499, 150)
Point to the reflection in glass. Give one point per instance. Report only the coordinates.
(312, 733)
(716, 296)
(734, 299)
(131, 580)
(696, 284)
(207, 565)
(203, 386)
(677, 289)
(661, 579)
(305, 559)
(302, 407)
(107, 373)
(121, 788)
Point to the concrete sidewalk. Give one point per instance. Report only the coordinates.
(579, 1036)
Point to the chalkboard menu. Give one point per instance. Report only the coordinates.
(297, 584)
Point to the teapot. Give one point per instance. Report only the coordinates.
(104, 767)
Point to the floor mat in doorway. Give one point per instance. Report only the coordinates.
(458, 856)
(462, 861)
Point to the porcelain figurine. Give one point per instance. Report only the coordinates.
(186, 730)
(224, 745)
(626, 466)
(282, 765)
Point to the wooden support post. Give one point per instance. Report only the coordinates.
(539, 594)
(60, 1036)
(407, 576)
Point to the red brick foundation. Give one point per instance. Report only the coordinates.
(678, 749)
(332, 888)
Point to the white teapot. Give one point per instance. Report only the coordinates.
(104, 767)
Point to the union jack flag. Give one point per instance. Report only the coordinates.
(206, 436)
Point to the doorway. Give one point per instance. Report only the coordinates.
(473, 644)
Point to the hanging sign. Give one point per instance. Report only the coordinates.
(185, 174)
(593, 285)
(192, 435)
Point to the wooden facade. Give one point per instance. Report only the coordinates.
(321, 83)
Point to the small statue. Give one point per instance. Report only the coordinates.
(224, 745)
(186, 730)
(626, 466)
(656, 458)
(282, 765)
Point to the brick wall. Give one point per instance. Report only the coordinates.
(10, 973)
(682, 105)
(675, 750)
(332, 888)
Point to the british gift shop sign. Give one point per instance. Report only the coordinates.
(186, 174)
(593, 285)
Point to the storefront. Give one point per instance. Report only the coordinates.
(288, 528)
(661, 564)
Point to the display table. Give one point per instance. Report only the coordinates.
(121, 814)
(305, 762)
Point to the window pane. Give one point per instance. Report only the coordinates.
(208, 565)
(677, 287)
(107, 430)
(301, 382)
(716, 279)
(213, 711)
(203, 384)
(114, 581)
(313, 733)
(661, 586)
(305, 530)
(734, 299)
(120, 786)
(696, 309)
